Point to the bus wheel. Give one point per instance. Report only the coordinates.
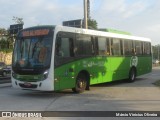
(132, 75)
(81, 83)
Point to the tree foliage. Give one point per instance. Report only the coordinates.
(92, 24)
(156, 52)
(6, 41)
(3, 31)
(18, 20)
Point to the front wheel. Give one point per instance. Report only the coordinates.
(132, 75)
(81, 83)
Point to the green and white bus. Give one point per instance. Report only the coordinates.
(53, 58)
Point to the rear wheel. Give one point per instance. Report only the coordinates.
(81, 83)
(132, 75)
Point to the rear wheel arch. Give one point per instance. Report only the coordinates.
(86, 80)
(86, 73)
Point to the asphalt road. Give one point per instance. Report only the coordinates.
(141, 95)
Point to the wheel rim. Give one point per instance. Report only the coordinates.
(81, 83)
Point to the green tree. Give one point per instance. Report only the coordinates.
(92, 24)
(3, 31)
(6, 41)
(18, 20)
(156, 52)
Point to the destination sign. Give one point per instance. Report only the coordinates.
(39, 32)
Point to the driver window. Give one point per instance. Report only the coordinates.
(64, 47)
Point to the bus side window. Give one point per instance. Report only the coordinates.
(138, 47)
(84, 45)
(58, 46)
(93, 46)
(133, 48)
(64, 47)
(116, 47)
(128, 50)
(96, 46)
(108, 46)
(102, 46)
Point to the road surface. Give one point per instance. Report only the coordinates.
(141, 95)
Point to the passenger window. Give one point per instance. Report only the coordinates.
(84, 45)
(103, 46)
(138, 47)
(116, 47)
(64, 47)
(128, 50)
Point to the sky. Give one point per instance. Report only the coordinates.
(139, 17)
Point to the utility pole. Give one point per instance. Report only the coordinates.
(85, 14)
(88, 9)
(158, 52)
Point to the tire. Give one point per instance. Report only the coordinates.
(4, 74)
(132, 75)
(81, 83)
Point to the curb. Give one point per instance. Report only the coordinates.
(5, 81)
(5, 85)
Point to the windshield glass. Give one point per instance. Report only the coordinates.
(32, 54)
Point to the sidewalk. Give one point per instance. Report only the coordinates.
(155, 65)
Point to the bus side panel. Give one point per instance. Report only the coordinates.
(144, 65)
(100, 69)
(97, 67)
(119, 67)
(115, 68)
(64, 76)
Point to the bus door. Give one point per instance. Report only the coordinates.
(64, 57)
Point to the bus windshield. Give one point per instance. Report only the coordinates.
(32, 54)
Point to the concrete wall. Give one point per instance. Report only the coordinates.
(6, 57)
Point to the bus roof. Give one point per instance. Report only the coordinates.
(40, 26)
(90, 32)
(100, 33)
(114, 31)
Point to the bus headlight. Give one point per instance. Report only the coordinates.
(45, 74)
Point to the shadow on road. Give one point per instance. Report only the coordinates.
(122, 83)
